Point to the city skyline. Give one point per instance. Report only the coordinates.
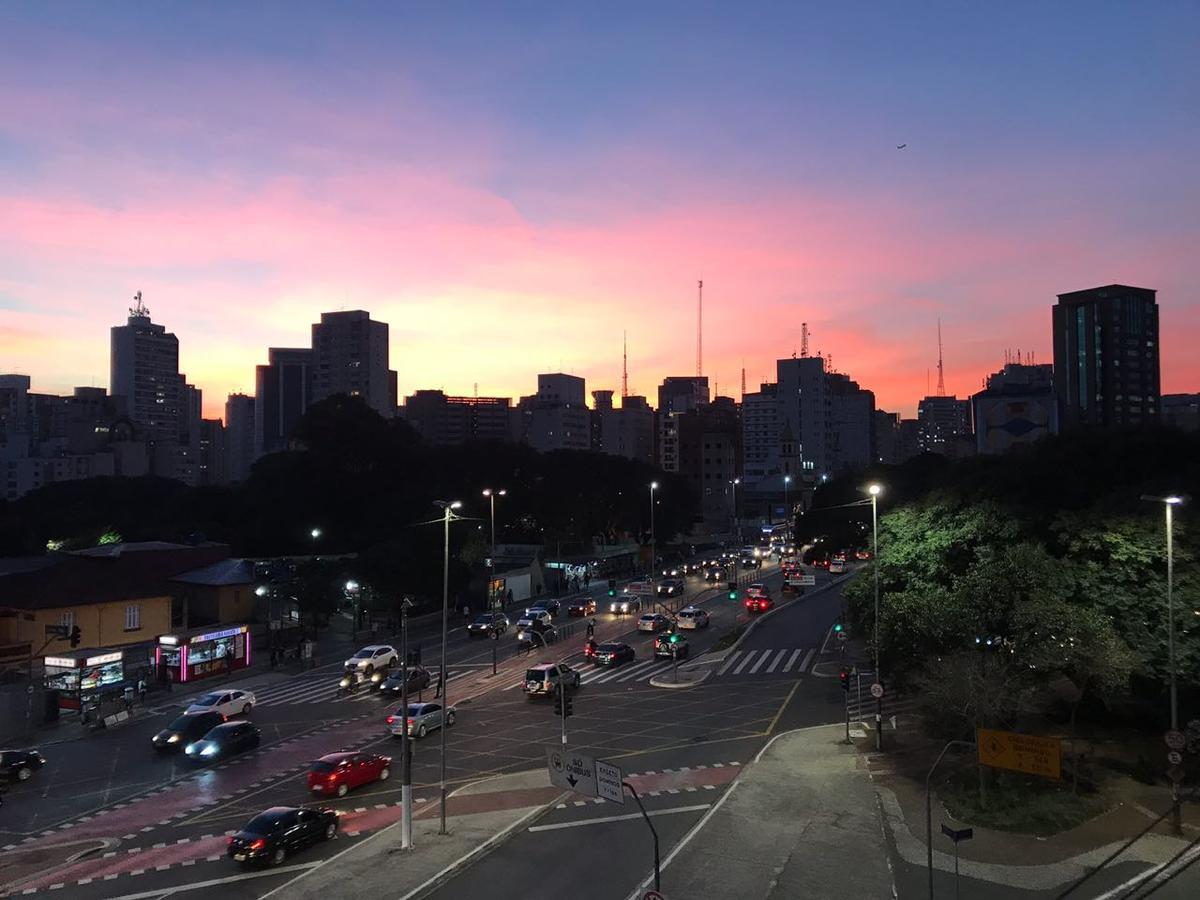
(517, 214)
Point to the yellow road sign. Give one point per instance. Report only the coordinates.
(1020, 752)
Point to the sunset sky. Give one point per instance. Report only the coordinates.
(512, 185)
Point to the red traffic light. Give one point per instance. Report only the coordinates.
(844, 677)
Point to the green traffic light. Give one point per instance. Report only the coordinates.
(837, 627)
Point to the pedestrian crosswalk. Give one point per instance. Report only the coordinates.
(773, 661)
(632, 672)
(324, 689)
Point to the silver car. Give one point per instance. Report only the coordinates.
(422, 718)
(692, 617)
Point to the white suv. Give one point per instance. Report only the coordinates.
(376, 656)
(227, 703)
(692, 617)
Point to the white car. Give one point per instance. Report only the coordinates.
(540, 616)
(837, 567)
(626, 603)
(227, 703)
(692, 617)
(756, 591)
(376, 656)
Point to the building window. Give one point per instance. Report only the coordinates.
(68, 620)
(133, 617)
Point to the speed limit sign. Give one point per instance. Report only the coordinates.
(877, 690)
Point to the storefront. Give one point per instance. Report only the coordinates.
(82, 676)
(191, 655)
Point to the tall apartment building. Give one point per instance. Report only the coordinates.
(144, 369)
(557, 417)
(239, 437)
(760, 434)
(627, 430)
(450, 421)
(804, 406)
(887, 437)
(350, 356)
(212, 457)
(1106, 361)
(851, 423)
(704, 446)
(682, 393)
(944, 425)
(283, 390)
(1181, 411)
(1017, 406)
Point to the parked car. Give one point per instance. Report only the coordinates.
(376, 656)
(671, 646)
(19, 765)
(227, 703)
(613, 653)
(184, 730)
(691, 617)
(626, 603)
(279, 831)
(339, 773)
(584, 606)
(422, 718)
(653, 622)
(488, 624)
(547, 679)
(225, 739)
(418, 679)
(670, 587)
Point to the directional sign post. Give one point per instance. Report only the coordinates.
(584, 774)
(608, 782)
(956, 835)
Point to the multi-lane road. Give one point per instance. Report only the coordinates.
(160, 823)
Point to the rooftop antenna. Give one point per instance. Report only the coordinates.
(941, 372)
(139, 308)
(743, 380)
(700, 330)
(477, 390)
(803, 339)
(624, 365)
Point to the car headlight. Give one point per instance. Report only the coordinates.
(173, 739)
(190, 749)
(210, 750)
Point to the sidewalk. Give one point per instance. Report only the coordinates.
(478, 816)
(802, 820)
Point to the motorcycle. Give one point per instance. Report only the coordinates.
(349, 684)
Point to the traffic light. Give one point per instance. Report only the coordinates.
(566, 706)
(673, 638)
(844, 677)
(838, 627)
(612, 587)
(75, 636)
(733, 590)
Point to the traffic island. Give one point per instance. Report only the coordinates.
(19, 867)
(689, 675)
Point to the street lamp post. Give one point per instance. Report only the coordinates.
(787, 509)
(448, 507)
(735, 484)
(1169, 503)
(315, 534)
(874, 490)
(352, 590)
(406, 809)
(492, 495)
(653, 540)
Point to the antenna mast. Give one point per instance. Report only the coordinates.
(941, 372)
(139, 308)
(624, 365)
(700, 331)
(804, 339)
(743, 381)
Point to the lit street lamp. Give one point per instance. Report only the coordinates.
(874, 490)
(787, 509)
(352, 590)
(492, 495)
(1169, 503)
(653, 542)
(448, 507)
(736, 530)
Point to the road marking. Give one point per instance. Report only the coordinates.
(749, 656)
(214, 882)
(652, 664)
(729, 662)
(605, 819)
(807, 659)
(775, 662)
(766, 654)
(792, 661)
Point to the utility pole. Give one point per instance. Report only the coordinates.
(448, 508)
(406, 799)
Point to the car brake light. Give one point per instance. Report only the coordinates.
(229, 841)
(259, 844)
(391, 720)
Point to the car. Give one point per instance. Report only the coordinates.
(757, 590)
(422, 718)
(714, 575)
(339, 773)
(670, 587)
(279, 831)
(862, 555)
(837, 566)
(418, 679)
(653, 622)
(551, 605)
(225, 740)
(547, 679)
(820, 563)
(626, 603)
(750, 562)
(376, 656)
(19, 765)
(691, 617)
(532, 616)
(184, 730)
(758, 604)
(489, 624)
(672, 571)
(584, 606)
(227, 703)
(613, 653)
(671, 646)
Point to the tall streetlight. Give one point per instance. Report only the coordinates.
(352, 590)
(1169, 503)
(735, 484)
(653, 542)
(315, 534)
(406, 799)
(492, 495)
(448, 507)
(787, 509)
(874, 490)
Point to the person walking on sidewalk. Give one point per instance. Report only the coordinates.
(141, 689)
(437, 693)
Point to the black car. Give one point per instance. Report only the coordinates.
(552, 606)
(271, 835)
(19, 765)
(418, 680)
(671, 645)
(585, 606)
(613, 653)
(185, 730)
(224, 740)
(488, 625)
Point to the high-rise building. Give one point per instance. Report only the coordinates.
(682, 393)
(212, 454)
(350, 356)
(450, 421)
(704, 446)
(239, 437)
(1106, 364)
(1181, 411)
(945, 426)
(851, 423)
(804, 405)
(887, 437)
(1018, 406)
(282, 392)
(14, 403)
(760, 434)
(626, 431)
(145, 371)
(557, 417)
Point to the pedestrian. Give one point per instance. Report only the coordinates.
(141, 689)
(438, 692)
(466, 613)
(128, 692)
(510, 596)
(274, 656)
(587, 579)
(591, 627)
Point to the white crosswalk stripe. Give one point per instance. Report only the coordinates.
(322, 690)
(773, 662)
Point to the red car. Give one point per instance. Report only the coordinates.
(337, 773)
(758, 604)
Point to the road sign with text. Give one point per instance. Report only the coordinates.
(1020, 752)
(584, 774)
(609, 782)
